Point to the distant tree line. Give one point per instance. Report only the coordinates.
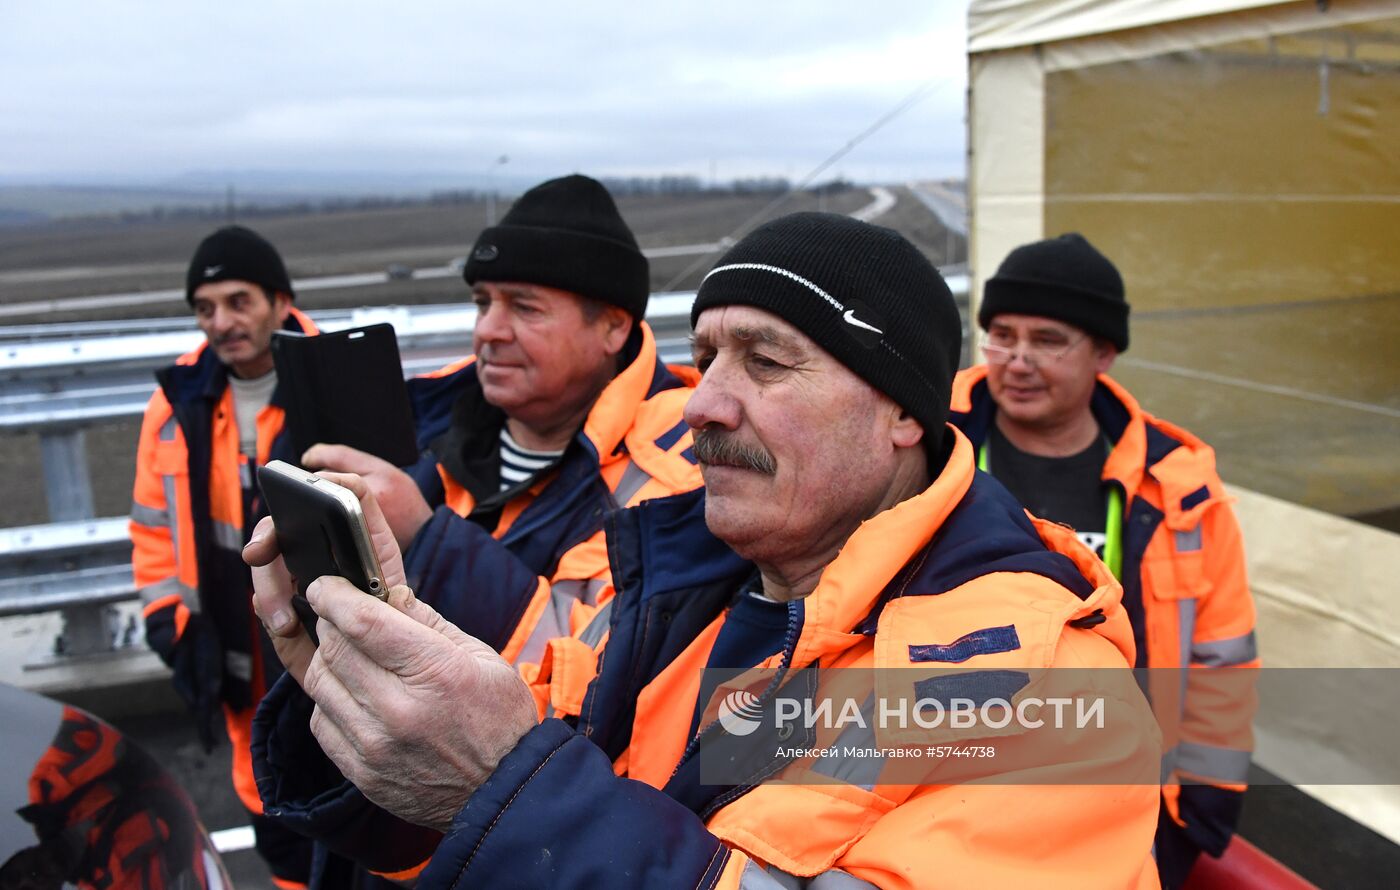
(620, 186)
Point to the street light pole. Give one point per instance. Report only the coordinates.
(491, 190)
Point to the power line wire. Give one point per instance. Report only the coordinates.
(923, 91)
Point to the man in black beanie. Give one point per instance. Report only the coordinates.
(564, 414)
(1075, 447)
(216, 415)
(564, 410)
(842, 525)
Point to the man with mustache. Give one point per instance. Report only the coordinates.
(842, 528)
(564, 414)
(216, 416)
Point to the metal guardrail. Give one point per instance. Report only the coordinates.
(67, 377)
(53, 384)
(64, 565)
(50, 384)
(58, 386)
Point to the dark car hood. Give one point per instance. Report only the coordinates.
(83, 806)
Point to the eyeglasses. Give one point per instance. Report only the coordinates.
(1001, 350)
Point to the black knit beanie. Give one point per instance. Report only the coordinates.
(1063, 278)
(566, 233)
(863, 293)
(235, 253)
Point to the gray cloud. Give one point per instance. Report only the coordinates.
(154, 89)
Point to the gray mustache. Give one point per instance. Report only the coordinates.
(726, 450)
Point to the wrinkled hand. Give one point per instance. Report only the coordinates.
(416, 713)
(397, 493)
(273, 587)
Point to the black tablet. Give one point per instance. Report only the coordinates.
(346, 388)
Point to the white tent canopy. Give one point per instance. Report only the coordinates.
(1001, 24)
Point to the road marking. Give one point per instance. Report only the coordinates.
(1286, 391)
(948, 206)
(883, 200)
(232, 840)
(652, 253)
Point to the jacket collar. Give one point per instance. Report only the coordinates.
(1122, 420)
(887, 556)
(612, 414)
(465, 437)
(851, 585)
(1140, 441)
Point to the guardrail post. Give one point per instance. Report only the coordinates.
(66, 480)
(67, 484)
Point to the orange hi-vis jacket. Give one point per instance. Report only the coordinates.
(615, 793)
(535, 556)
(188, 527)
(1185, 592)
(956, 576)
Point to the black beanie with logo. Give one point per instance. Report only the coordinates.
(235, 253)
(1064, 278)
(863, 293)
(566, 233)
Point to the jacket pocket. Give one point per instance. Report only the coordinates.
(171, 459)
(1176, 574)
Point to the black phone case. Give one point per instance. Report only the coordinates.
(346, 388)
(313, 532)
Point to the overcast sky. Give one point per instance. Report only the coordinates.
(154, 89)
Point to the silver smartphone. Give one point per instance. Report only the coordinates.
(321, 529)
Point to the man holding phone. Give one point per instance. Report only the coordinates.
(215, 416)
(563, 414)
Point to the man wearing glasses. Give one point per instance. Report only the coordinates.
(1075, 447)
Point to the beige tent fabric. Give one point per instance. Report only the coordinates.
(1321, 77)
(1325, 586)
(1002, 24)
(1246, 32)
(1325, 589)
(1006, 179)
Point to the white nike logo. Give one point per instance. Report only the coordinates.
(851, 319)
(211, 271)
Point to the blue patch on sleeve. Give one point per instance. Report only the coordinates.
(980, 686)
(979, 642)
(1195, 497)
(672, 436)
(689, 454)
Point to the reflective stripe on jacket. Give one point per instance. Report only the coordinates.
(1185, 592)
(188, 529)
